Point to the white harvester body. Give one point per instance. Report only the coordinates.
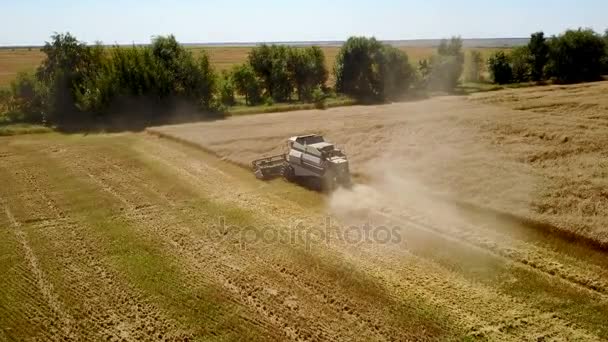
(309, 159)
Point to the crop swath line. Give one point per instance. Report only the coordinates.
(192, 176)
(131, 178)
(177, 237)
(107, 318)
(42, 284)
(525, 256)
(195, 175)
(510, 317)
(494, 249)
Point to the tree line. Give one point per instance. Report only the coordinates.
(77, 82)
(574, 56)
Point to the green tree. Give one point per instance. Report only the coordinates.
(306, 68)
(196, 79)
(357, 69)
(179, 73)
(247, 84)
(576, 56)
(260, 59)
(397, 72)
(371, 71)
(270, 65)
(500, 68)
(539, 55)
(159, 73)
(68, 62)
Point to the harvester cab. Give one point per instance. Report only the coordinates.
(310, 160)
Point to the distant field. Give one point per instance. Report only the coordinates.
(13, 61)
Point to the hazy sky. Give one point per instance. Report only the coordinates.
(127, 21)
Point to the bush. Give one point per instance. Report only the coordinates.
(500, 68)
(521, 64)
(319, 97)
(576, 56)
(23, 101)
(425, 67)
(371, 71)
(246, 84)
(474, 66)
(539, 56)
(24, 92)
(226, 90)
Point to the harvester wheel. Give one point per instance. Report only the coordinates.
(288, 173)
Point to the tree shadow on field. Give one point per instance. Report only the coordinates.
(135, 115)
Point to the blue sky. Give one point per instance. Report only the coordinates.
(127, 21)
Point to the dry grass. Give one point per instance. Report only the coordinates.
(13, 61)
(538, 153)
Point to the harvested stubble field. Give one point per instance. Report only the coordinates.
(131, 236)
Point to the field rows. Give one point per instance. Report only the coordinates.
(536, 155)
(130, 236)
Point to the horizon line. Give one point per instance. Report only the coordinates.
(283, 42)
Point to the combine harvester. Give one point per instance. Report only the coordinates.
(310, 161)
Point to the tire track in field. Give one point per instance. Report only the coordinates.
(32, 317)
(508, 304)
(42, 284)
(331, 298)
(487, 313)
(317, 289)
(526, 255)
(336, 304)
(196, 177)
(143, 214)
(107, 311)
(250, 289)
(522, 253)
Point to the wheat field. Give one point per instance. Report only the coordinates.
(536, 153)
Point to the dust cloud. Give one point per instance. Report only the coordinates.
(428, 169)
